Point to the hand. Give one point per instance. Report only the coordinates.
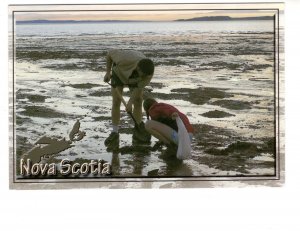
(174, 115)
(107, 77)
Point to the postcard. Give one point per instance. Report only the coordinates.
(146, 95)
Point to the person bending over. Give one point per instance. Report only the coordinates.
(162, 124)
(127, 68)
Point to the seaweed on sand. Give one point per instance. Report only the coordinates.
(22, 120)
(224, 149)
(197, 96)
(201, 95)
(40, 111)
(58, 54)
(32, 98)
(84, 85)
(238, 149)
(37, 98)
(236, 157)
(217, 114)
(233, 104)
(100, 93)
(206, 136)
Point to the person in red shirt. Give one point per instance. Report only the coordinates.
(162, 124)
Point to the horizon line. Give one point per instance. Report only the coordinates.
(219, 18)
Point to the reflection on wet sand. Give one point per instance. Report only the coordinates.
(115, 164)
(139, 157)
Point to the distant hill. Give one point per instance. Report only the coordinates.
(227, 18)
(212, 18)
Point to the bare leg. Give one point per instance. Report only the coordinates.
(116, 103)
(160, 131)
(137, 106)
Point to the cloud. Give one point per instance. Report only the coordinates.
(139, 15)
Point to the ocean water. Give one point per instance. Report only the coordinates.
(140, 28)
(54, 61)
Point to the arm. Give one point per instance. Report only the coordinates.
(136, 92)
(108, 67)
(145, 81)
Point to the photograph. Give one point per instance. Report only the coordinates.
(182, 95)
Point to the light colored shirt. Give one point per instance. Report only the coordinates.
(126, 62)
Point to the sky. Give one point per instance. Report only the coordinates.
(137, 15)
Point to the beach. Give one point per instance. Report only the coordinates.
(220, 75)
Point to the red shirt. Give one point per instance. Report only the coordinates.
(162, 112)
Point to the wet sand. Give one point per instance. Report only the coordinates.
(230, 102)
(222, 151)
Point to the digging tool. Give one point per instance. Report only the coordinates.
(142, 135)
(125, 104)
